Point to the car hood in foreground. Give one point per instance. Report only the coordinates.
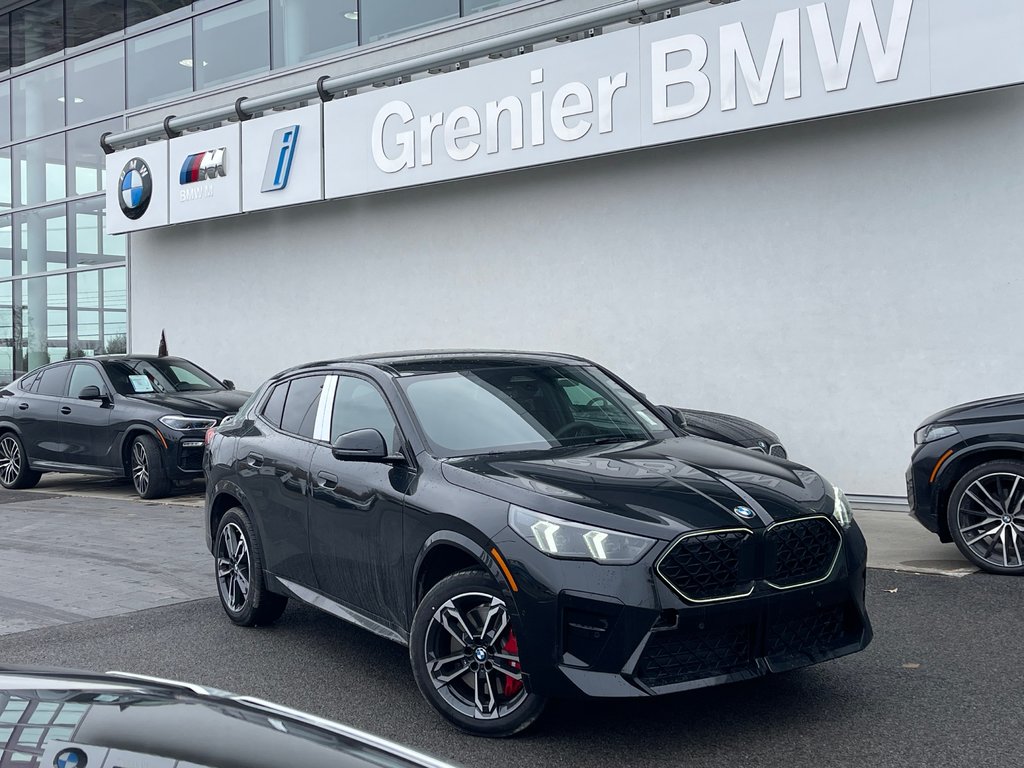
(119, 719)
(993, 409)
(660, 488)
(220, 403)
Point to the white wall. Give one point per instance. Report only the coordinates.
(837, 281)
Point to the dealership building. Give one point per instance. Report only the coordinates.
(805, 212)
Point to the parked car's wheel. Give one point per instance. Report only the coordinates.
(465, 657)
(14, 469)
(986, 516)
(239, 567)
(146, 462)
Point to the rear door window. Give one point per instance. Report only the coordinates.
(52, 381)
(300, 407)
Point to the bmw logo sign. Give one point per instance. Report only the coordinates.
(135, 188)
(744, 512)
(70, 758)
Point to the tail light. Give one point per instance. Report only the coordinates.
(209, 435)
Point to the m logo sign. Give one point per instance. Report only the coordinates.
(203, 166)
(279, 162)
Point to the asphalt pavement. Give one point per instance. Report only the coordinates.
(939, 686)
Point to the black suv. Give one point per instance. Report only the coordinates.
(530, 527)
(122, 416)
(966, 480)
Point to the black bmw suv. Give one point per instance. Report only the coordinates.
(530, 528)
(121, 416)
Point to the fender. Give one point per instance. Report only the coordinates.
(10, 426)
(943, 475)
(137, 427)
(474, 550)
(230, 488)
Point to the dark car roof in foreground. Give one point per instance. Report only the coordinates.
(412, 361)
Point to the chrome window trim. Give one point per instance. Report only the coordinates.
(705, 600)
(835, 559)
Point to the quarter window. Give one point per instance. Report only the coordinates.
(52, 381)
(300, 407)
(359, 405)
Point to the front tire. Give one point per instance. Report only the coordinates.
(14, 470)
(146, 464)
(465, 657)
(986, 516)
(239, 567)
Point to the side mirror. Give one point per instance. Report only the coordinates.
(360, 445)
(228, 383)
(92, 392)
(672, 415)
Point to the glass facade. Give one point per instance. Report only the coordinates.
(68, 71)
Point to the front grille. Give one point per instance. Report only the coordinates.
(800, 551)
(676, 657)
(707, 566)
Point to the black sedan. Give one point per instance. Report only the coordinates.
(965, 482)
(64, 719)
(119, 416)
(530, 528)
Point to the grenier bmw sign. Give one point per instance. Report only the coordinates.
(720, 70)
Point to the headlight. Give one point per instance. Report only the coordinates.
(560, 538)
(934, 432)
(186, 423)
(842, 512)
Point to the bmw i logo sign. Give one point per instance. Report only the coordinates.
(135, 188)
(744, 512)
(70, 758)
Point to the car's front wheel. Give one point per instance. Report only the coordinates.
(986, 516)
(14, 470)
(240, 583)
(465, 657)
(146, 463)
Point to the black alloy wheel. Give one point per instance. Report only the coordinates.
(239, 568)
(146, 463)
(14, 470)
(986, 516)
(465, 657)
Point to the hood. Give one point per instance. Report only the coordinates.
(726, 428)
(220, 403)
(655, 488)
(993, 409)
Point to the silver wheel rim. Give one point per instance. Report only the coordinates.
(234, 569)
(990, 519)
(10, 460)
(467, 659)
(140, 468)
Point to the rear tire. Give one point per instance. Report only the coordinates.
(465, 657)
(147, 469)
(986, 516)
(239, 571)
(15, 473)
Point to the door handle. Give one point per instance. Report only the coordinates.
(254, 460)
(65, 410)
(22, 406)
(327, 480)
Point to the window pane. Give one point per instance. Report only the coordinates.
(37, 30)
(6, 247)
(232, 42)
(84, 375)
(95, 84)
(5, 43)
(6, 196)
(5, 109)
(52, 381)
(160, 64)
(7, 348)
(100, 312)
(473, 6)
(309, 29)
(41, 240)
(38, 102)
(86, 161)
(274, 407)
(300, 407)
(142, 10)
(92, 19)
(383, 18)
(358, 405)
(90, 244)
(39, 172)
(43, 323)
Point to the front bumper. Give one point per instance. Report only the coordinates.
(184, 456)
(640, 638)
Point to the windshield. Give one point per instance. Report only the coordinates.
(140, 377)
(497, 409)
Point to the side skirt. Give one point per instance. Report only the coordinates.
(326, 604)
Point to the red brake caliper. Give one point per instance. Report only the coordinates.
(511, 646)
